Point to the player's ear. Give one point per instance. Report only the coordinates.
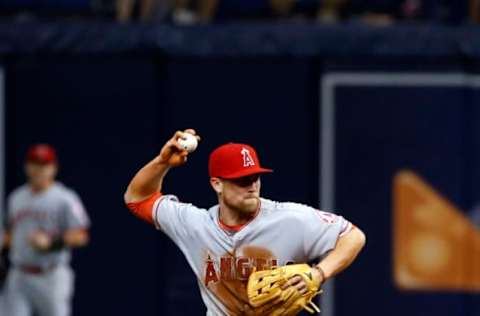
(216, 184)
(26, 170)
(55, 169)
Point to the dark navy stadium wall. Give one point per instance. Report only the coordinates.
(109, 114)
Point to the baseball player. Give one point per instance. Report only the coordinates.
(244, 232)
(45, 220)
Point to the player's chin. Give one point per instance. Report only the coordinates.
(250, 204)
(39, 181)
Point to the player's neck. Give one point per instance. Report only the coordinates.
(40, 187)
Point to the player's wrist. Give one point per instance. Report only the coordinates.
(320, 274)
(161, 162)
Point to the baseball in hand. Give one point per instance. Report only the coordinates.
(188, 142)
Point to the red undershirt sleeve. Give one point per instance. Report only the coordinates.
(143, 209)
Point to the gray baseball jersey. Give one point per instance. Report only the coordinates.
(53, 211)
(222, 260)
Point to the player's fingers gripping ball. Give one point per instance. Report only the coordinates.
(265, 292)
(175, 151)
(188, 142)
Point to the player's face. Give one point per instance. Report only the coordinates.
(40, 175)
(242, 194)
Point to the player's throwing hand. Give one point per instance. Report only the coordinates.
(172, 153)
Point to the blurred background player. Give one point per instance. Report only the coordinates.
(45, 220)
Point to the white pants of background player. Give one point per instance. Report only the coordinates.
(46, 294)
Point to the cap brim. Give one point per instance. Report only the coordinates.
(247, 172)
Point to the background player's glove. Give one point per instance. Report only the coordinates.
(265, 292)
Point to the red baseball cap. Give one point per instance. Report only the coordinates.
(233, 160)
(41, 153)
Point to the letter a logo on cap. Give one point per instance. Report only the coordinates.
(233, 161)
(247, 159)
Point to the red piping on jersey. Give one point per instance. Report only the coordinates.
(237, 228)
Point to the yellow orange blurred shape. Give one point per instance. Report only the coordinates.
(435, 247)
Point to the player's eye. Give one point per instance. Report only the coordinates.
(246, 181)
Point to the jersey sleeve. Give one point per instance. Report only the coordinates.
(75, 215)
(322, 230)
(178, 220)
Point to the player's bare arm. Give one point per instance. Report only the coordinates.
(75, 238)
(7, 237)
(344, 253)
(71, 238)
(346, 250)
(149, 179)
